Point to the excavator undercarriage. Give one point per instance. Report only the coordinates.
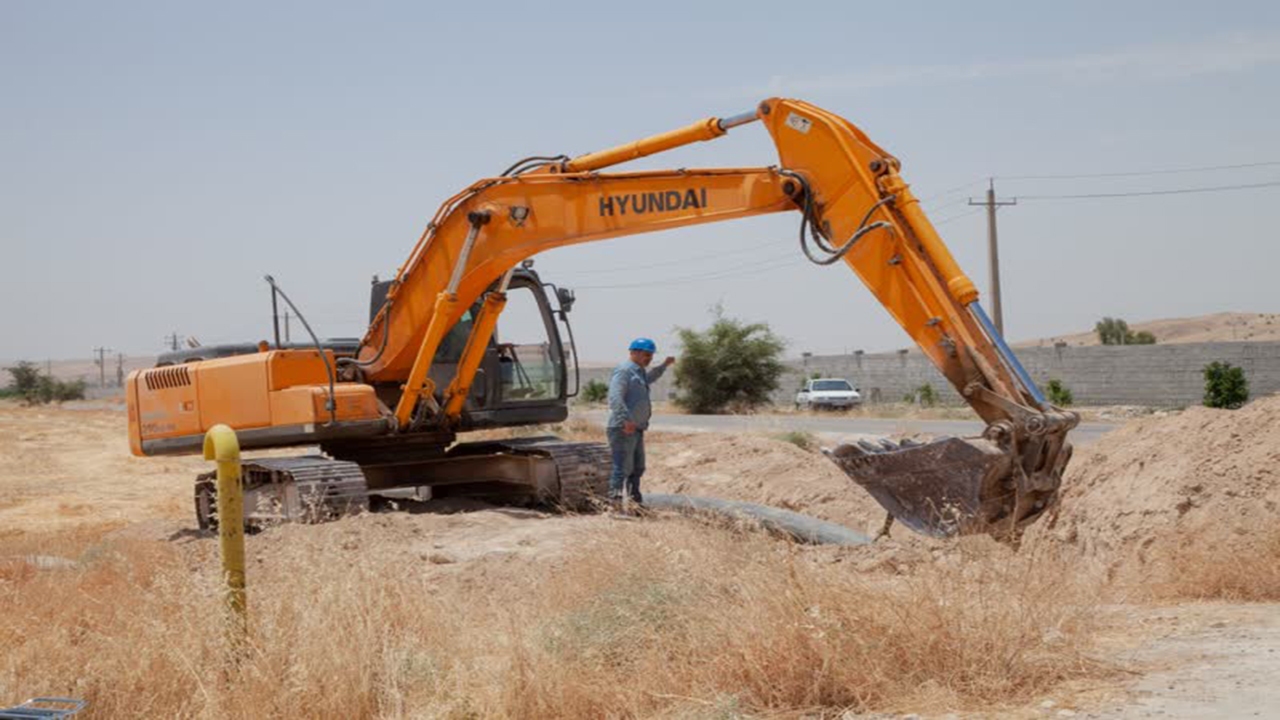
(542, 470)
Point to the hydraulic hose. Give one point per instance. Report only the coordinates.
(332, 403)
(809, 228)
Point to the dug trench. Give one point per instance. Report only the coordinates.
(1152, 588)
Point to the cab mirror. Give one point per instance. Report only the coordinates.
(565, 296)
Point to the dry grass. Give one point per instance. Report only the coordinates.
(888, 410)
(804, 440)
(661, 618)
(1245, 568)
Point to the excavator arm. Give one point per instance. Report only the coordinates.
(855, 209)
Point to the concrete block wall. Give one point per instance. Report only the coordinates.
(1151, 375)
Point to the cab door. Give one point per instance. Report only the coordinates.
(523, 373)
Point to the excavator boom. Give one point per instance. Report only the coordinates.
(855, 210)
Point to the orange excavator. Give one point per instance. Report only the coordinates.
(386, 411)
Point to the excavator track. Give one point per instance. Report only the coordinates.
(308, 489)
(571, 476)
(584, 473)
(581, 469)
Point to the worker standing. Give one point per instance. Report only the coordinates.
(629, 411)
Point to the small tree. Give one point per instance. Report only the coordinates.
(1059, 394)
(64, 391)
(1225, 386)
(595, 391)
(731, 365)
(36, 388)
(924, 396)
(1114, 331)
(25, 381)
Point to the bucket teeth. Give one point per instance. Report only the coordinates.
(947, 487)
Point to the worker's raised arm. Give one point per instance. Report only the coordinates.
(653, 373)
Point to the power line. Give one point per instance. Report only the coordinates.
(754, 267)
(759, 266)
(955, 189)
(1175, 191)
(737, 251)
(967, 213)
(953, 203)
(1139, 173)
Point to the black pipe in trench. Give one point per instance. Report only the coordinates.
(802, 528)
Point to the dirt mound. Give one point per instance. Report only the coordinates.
(1206, 478)
(1219, 327)
(765, 470)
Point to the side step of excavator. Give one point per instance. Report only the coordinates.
(541, 470)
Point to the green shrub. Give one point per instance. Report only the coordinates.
(804, 440)
(1114, 331)
(1225, 386)
(73, 390)
(732, 365)
(595, 391)
(1059, 394)
(812, 376)
(36, 388)
(924, 396)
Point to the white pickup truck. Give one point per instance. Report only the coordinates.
(832, 393)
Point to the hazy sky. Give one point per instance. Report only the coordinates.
(156, 159)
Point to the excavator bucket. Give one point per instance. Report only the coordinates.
(948, 487)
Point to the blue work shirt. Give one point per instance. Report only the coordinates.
(629, 394)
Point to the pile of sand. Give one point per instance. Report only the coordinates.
(1203, 476)
(1219, 327)
(764, 470)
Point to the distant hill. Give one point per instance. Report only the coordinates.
(1219, 327)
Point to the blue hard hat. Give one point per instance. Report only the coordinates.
(644, 344)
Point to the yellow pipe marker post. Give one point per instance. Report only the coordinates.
(222, 446)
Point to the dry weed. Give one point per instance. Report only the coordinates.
(1242, 567)
(647, 619)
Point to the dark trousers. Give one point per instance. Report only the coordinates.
(628, 463)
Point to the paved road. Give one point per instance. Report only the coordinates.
(834, 426)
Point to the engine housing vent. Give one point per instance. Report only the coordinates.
(167, 377)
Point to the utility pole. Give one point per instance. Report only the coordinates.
(101, 362)
(172, 339)
(119, 369)
(286, 326)
(993, 252)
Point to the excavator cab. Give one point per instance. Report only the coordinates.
(525, 376)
